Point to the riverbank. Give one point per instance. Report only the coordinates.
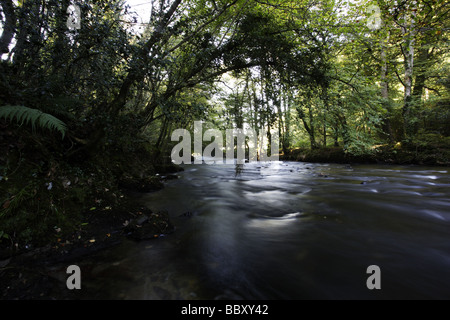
(26, 274)
(69, 211)
(47, 196)
(399, 154)
(56, 208)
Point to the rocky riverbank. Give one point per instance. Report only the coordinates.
(402, 154)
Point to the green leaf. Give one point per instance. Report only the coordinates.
(33, 116)
(4, 235)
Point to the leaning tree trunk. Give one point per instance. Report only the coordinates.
(308, 127)
(408, 53)
(385, 90)
(419, 82)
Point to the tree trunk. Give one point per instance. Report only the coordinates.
(281, 125)
(308, 127)
(162, 133)
(311, 132)
(326, 109)
(345, 131)
(387, 128)
(419, 82)
(134, 75)
(420, 78)
(408, 53)
(336, 137)
(287, 124)
(10, 25)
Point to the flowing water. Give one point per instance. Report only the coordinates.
(287, 230)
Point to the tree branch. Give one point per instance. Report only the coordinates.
(135, 74)
(432, 89)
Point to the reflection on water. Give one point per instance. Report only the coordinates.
(288, 230)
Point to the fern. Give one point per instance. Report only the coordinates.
(28, 115)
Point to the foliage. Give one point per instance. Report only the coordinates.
(34, 117)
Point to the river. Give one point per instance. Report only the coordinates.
(288, 230)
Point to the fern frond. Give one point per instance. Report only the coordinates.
(33, 116)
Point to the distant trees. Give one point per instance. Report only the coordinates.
(313, 71)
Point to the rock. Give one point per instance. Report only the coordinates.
(168, 168)
(141, 220)
(147, 184)
(149, 226)
(187, 214)
(4, 263)
(162, 293)
(170, 177)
